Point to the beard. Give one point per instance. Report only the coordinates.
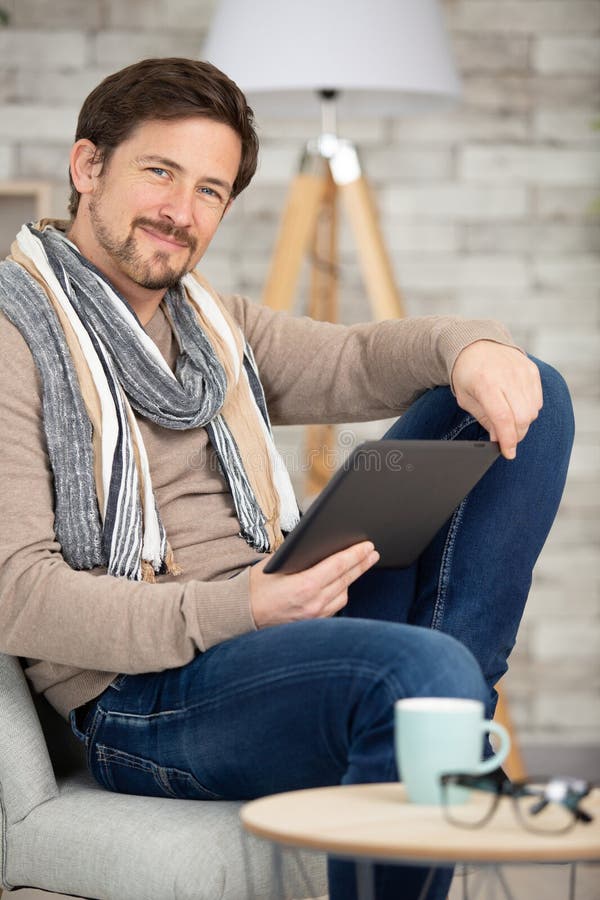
(156, 273)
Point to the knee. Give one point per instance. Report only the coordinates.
(451, 669)
(556, 415)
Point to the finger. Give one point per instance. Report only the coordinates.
(497, 417)
(523, 406)
(507, 404)
(349, 576)
(523, 415)
(526, 404)
(338, 564)
(534, 388)
(334, 606)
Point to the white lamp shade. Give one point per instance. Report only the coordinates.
(385, 57)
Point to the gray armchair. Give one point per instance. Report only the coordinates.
(61, 832)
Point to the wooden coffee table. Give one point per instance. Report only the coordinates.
(372, 823)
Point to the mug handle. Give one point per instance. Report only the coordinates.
(487, 765)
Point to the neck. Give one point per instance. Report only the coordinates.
(143, 301)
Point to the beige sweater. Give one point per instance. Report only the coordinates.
(79, 629)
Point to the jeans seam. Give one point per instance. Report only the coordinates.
(464, 423)
(387, 682)
(446, 566)
(307, 669)
(99, 715)
(105, 755)
(448, 551)
(117, 682)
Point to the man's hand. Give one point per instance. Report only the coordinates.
(501, 388)
(315, 593)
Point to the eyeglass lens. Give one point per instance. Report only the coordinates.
(541, 809)
(543, 806)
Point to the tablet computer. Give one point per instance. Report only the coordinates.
(395, 493)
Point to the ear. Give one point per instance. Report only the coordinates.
(85, 169)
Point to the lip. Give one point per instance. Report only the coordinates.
(162, 239)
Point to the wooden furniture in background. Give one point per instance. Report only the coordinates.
(514, 765)
(21, 201)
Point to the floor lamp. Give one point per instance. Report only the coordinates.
(355, 58)
(359, 58)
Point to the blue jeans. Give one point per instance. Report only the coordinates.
(311, 703)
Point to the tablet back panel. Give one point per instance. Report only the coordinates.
(397, 494)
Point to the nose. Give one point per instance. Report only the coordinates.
(178, 206)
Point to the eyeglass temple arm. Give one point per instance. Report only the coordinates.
(582, 816)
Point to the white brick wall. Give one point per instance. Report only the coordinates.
(6, 161)
(50, 50)
(529, 17)
(157, 15)
(563, 203)
(462, 124)
(572, 125)
(540, 165)
(524, 93)
(465, 271)
(120, 48)
(454, 201)
(573, 270)
(526, 237)
(486, 210)
(567, 54)
(33, 122)
(49, 14)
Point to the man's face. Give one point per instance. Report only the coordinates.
(160, 198)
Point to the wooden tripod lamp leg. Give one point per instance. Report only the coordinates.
(514, 764)
(374, 261)
(320, 439)
(295, 233)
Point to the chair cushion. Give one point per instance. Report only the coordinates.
(94, 843)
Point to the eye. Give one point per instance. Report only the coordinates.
(210, 197)
(209, 192)
(158, 171)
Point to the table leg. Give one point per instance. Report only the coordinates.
(484, 883)
(365, 880)
(572, 874)
(427, 884)
(503, 882)
(278, 869)
(465, 886)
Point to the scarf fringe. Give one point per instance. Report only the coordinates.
(148, 572)
(173, 568)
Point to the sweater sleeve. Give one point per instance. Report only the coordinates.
(85, 619)
(322, 372)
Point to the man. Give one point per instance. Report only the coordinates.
(142, 493)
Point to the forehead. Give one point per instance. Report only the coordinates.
(192, 142)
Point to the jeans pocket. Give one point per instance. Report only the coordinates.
(127, 773)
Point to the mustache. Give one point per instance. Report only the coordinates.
(178, 234)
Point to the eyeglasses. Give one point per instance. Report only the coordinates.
(543, 805)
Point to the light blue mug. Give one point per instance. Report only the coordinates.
(435, 735)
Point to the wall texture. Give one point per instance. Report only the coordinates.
(487, 211)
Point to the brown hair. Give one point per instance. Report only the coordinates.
(166, 88)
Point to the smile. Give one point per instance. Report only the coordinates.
(163, 239)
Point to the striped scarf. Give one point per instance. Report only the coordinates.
(98, 366)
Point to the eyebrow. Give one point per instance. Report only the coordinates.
(171, 164)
